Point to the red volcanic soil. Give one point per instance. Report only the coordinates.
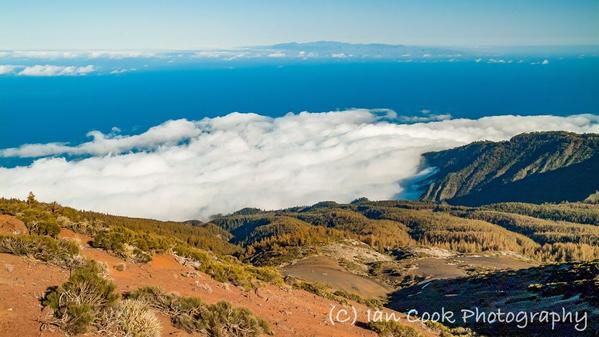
(11, 225)
(290, 312)
(22, 282)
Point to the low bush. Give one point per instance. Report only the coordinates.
(38, 217)
(131, 245)
(445, 331)
(78, 303)
(192, 315)
(129, 318)
(227, 268)
(140, 246)
(45, 226)
(64, 253)
(341, 296)
(392, 329)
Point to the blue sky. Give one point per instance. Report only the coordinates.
(186, 24)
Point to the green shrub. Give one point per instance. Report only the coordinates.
(132, 245)
(76, 318)
(226, 321)
(48, 218)
(48, 227)
(38, 217)
(227, 268)
(392, 329)
(445, 331)
(78, 302)
(192, 315)
(64, 253)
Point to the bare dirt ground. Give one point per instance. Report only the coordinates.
(326, 270)
(290, 312)
(11, 225)
(434, 263)
(22, 282)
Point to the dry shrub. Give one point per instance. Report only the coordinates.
(63, 252)
(192, 315)
(129, 318)
(392, 329)
(79, 301)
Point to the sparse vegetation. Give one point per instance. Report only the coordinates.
(572, 285)
(79, 302)
(340, 296)
(38, 217)
(64, 252)
(228, 268)
(87, 302)
(129, 318)
(47, 219)
(132, 245)
(445, 331)
(192, 315)
(139, 247)
(392, 329)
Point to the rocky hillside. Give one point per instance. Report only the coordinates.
(532, 167)
(533, 290)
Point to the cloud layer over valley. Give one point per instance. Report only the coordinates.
(185, 169)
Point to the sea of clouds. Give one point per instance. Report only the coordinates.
(184, 169)
(46, 70)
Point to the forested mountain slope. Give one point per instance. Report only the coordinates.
(533, 167)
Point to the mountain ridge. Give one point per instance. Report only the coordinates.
(533, 167)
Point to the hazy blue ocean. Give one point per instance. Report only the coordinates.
(43, 109)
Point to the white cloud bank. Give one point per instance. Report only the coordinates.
(74, 54)
(46, 70)
(191, 169)
(52, 70)
(7, 69)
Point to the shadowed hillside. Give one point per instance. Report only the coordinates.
(533, 167)
(552, 287)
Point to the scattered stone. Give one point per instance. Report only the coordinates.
(261, 293)
(204, 286)
(121, 266)
(192, 274)
(187, 261)
(9, 267)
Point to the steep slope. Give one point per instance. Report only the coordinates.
(532, 167)
(290, 312)
(571, 287)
